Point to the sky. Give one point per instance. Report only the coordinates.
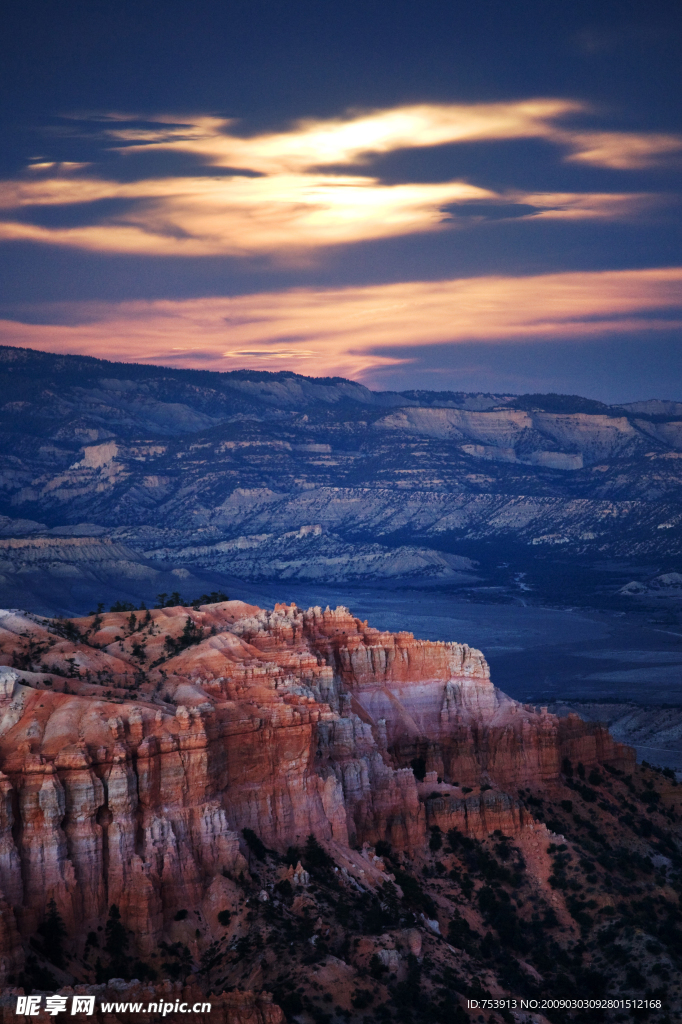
(478, 196)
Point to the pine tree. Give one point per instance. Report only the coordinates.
(116, 943)
(53, 932)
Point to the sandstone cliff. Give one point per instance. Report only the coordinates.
(135, 749)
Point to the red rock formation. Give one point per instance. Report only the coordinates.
(135, 749)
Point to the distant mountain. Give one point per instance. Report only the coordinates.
(260, 476)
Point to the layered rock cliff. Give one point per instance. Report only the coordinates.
(145, 756)
(130, 784)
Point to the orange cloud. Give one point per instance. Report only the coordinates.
(290, 205)
(350, 331)
(623, 151)
(238, 216)
(352, 139)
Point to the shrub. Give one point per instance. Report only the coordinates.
(291, 1003)
(376, 966)
(436, 840)
(461, 935)
(414, 894)
(458, 839)
(315, 856)
(362, 998)
(256, 846)
(215, 597)
(635, 978)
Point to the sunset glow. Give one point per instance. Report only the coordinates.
(351, 331)
(318, 200)
(280, 200)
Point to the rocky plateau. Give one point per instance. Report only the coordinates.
(118, 480)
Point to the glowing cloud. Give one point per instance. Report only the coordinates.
(279, 199)
(623, 151)
(350, 331)
(353, 139)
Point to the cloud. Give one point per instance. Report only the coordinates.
(242, 215)
(623, 151)
(270, 193)
(355, 138)
(352, 331)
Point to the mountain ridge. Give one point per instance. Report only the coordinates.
(181, 459)
(12, 358)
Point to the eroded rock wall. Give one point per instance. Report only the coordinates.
(130, 767)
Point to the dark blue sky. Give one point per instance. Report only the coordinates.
(471, 195)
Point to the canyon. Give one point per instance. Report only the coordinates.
(282, 809)
(208, 775)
